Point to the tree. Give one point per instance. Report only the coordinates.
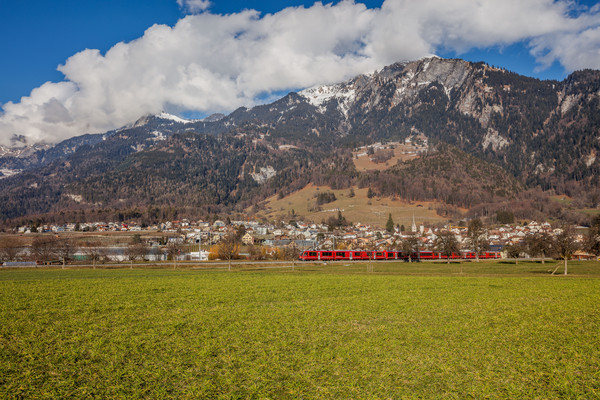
(370, 247)
(336, 222)
(65, 250)
(410, 245)
(137, 251)
(538, 244)
(10, 249)
(325, 197)
(389, 226)
(257, 252)
(476, 237)
(173, 250)
(565, 244)
(447, 244)
(514, 251)
(44, 249)
(592, 240)
(505, 217)
(290, 252)
(240, 232)
(228, 248)
(94, 251)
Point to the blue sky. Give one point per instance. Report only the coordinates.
(41, 34)
(539, 38)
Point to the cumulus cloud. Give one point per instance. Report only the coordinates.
(194, 6)
(215, 63)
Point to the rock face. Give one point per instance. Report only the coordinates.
(264, 174)
(517, 122)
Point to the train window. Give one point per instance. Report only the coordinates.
(327, 254)
(340, 254)
(312, 253)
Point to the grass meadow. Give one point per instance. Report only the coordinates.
(492, 330)
(358, 208)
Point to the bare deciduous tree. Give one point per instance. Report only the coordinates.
(410, 245)
(565, 244)
(44, 249)
(228, 248)
(65, 250)
(137, 251)
(538, 244)
(10, 249)
(514, 251)
(447, 244)
(476, 235)
(94, 251)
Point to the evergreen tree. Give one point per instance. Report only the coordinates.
(389, 226)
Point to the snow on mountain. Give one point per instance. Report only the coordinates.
(144, 120)
(22, 151)
(318, 96)
(172, 117)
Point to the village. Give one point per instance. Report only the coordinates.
(196, 238)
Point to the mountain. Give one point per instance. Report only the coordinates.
(494, 136)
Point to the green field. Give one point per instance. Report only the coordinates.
(335, 331)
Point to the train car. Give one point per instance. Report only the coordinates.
(309, 255)
(490, 255)
(359, 255)
(427, 255)
(327, 255)
(362, 255)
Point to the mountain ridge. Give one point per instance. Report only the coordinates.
(542, 133)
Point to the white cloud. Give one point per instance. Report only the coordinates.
(210, 63)
(194, 6)
(573, 50)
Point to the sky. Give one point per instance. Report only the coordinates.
(71, 67)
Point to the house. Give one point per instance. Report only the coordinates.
(247, 239)
(261, 230)
(582, 255)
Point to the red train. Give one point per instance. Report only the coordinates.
(349, 255)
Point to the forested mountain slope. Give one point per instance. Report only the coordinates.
(493, 135)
